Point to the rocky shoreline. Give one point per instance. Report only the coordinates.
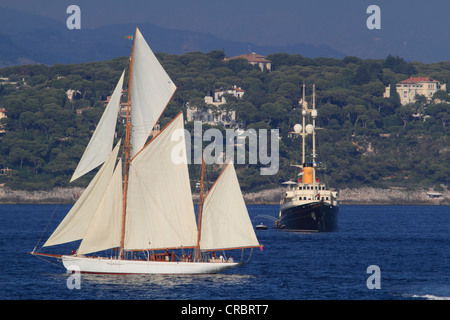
(364, 196)
(358, 196)
(54, 196)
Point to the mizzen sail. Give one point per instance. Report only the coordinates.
(225, 221)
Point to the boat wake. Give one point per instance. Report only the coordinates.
(430, 297)
(266, 216)
(431, 293)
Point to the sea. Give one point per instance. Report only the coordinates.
(377, 253)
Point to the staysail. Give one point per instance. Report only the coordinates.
(105, 226)
(225, 221)
(74, 225)
(101, 143)
(151, 91)
(160, 210)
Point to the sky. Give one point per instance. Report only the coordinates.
(406, 25)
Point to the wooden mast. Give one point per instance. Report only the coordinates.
(199, 224)
(126, 151)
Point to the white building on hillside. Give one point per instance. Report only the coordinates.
(409, 88)
(214, 114)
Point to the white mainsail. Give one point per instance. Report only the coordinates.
(74, 225)
(160, 210)
(225, 221)
(101, 142)
(151, 91)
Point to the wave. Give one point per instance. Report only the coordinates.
(430, 297)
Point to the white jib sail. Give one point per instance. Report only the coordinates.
(104, 231)
(225, 221)
(101, 142)
(160, 211)
(151, 90)
(74, 225)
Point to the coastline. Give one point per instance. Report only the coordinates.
(54, 196)
(363, 196)
(357, 196)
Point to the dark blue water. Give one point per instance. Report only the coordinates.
(410, 245)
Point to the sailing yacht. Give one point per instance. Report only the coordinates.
(139, 205)
(307, 204)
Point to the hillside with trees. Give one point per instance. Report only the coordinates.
(365, 139)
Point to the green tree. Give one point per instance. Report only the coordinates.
(362, 75)
(441, 112)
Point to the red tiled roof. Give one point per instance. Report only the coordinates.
(250, 57)
(418, 79)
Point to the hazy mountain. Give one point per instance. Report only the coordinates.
(28, 38)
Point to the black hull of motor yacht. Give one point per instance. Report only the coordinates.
(311, 217)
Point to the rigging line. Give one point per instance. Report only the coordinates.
(325, 176)
(154, 137)
(249, 256)
(45, 229)
(48, 261)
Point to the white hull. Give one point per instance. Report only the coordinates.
(115, 266)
